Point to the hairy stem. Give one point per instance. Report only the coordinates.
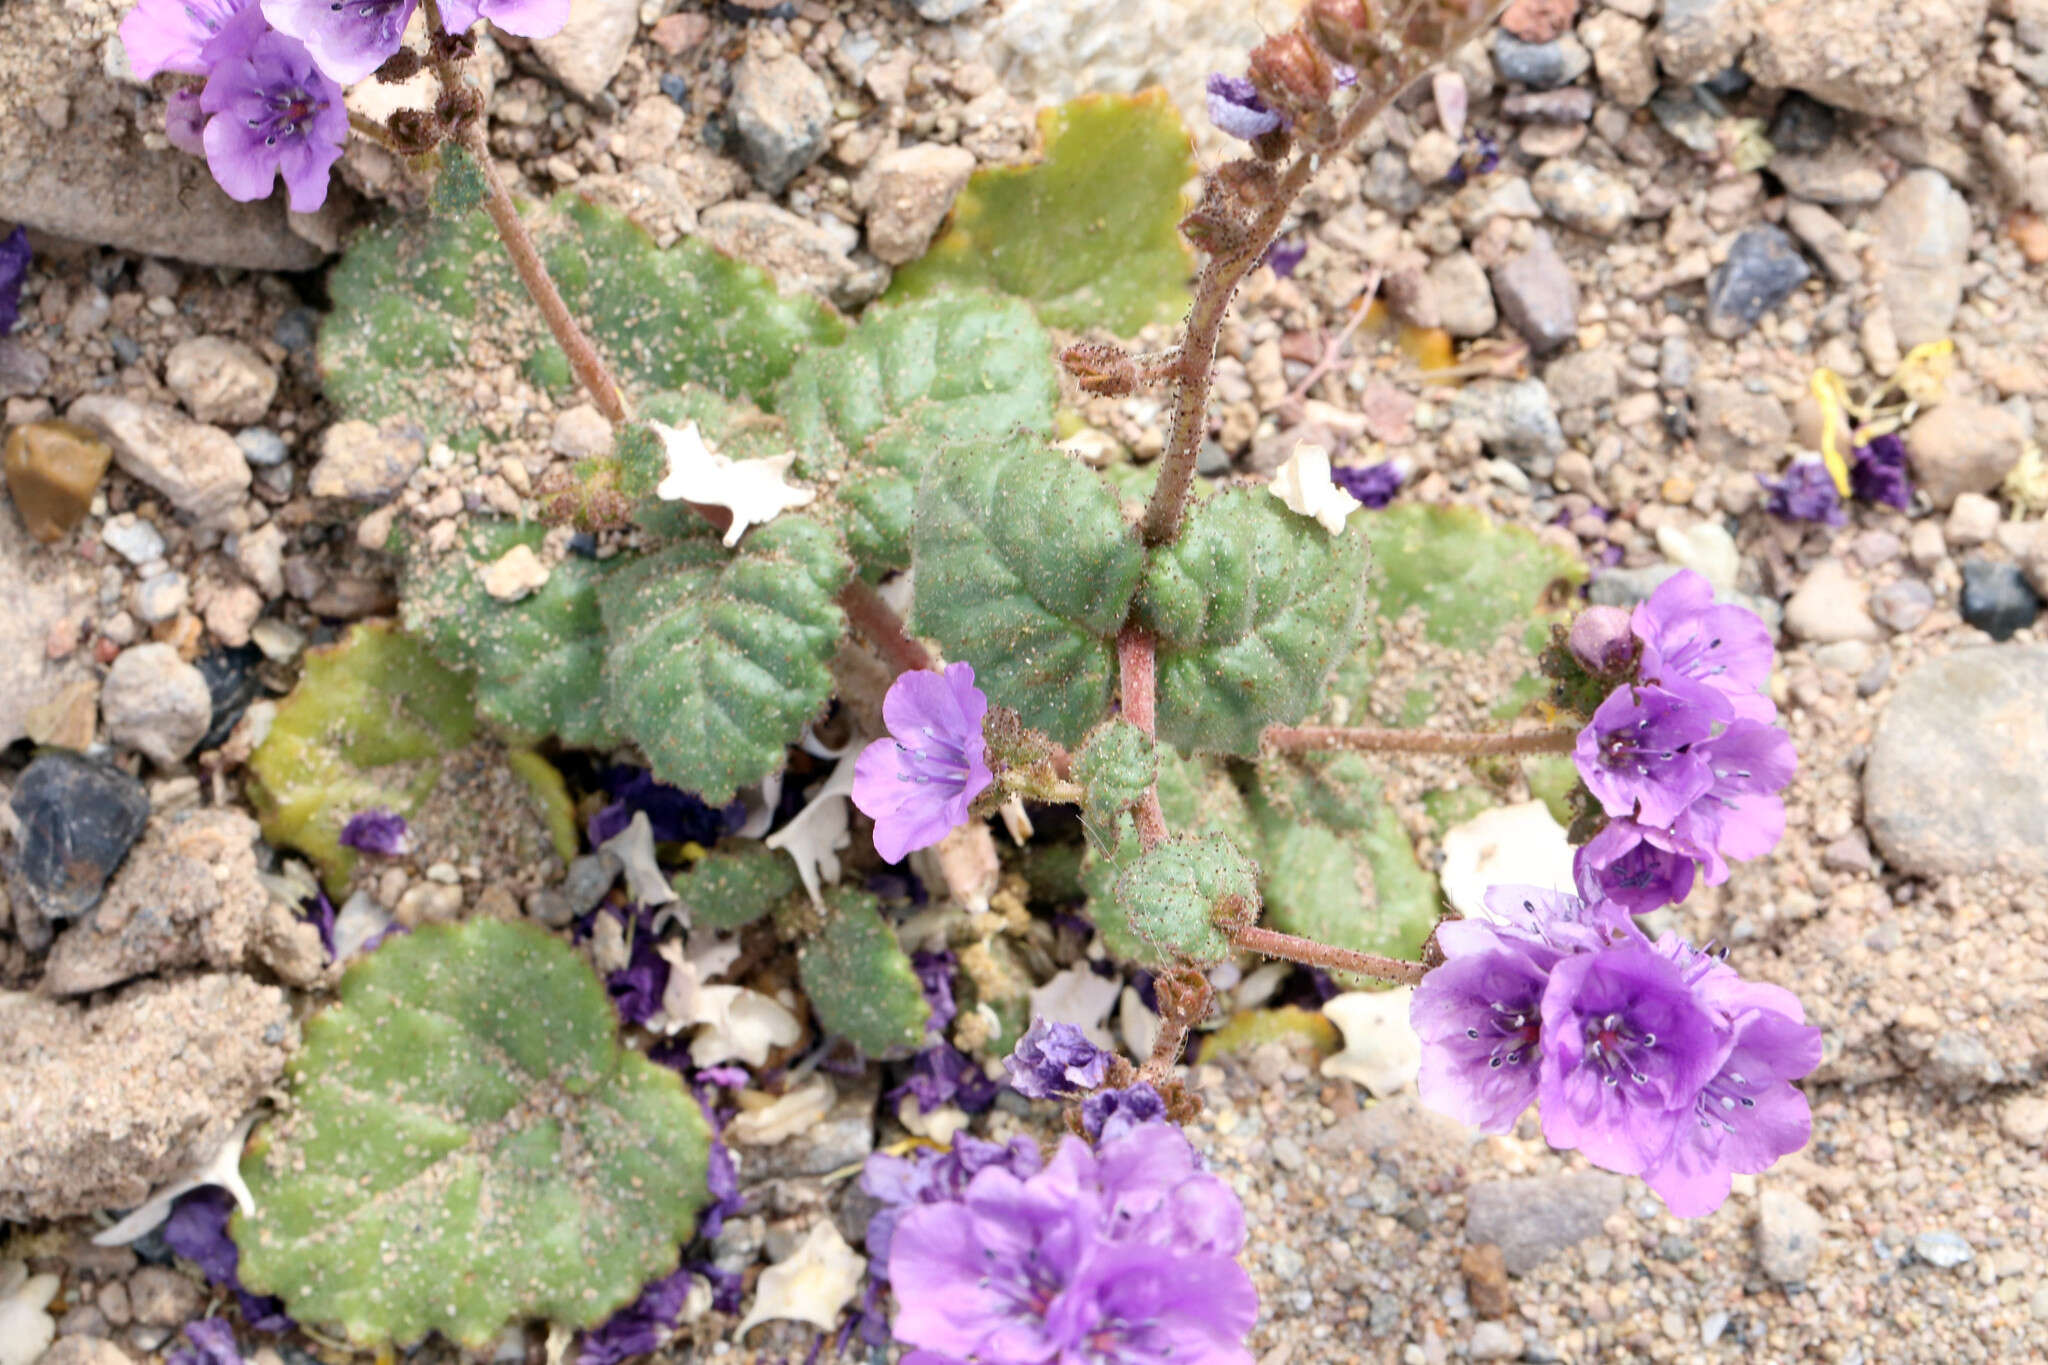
(1312, 739)
(364, 126)
(1196, 358)
(1309, 953)
(1179, 1010)
(877, 620)
(1138, 681)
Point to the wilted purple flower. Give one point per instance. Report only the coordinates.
(1110, 1114)
(1603, 642)
(920, 785)
(1806, 492)
(1479, 1016)
(166, 35)
(1636, 756)
(349, 39)
(527, 18)
(1055, 1061)
(1627, 1048)
(1638, 867)
(377, 831)
(943, 1074)
(15, 257)
(674, 816)
(1123, 1254)
(185, 121)
(637, 988)
(1374, 485)
(642, 1326)
(1236, 109)
(1877, 472)
(722, 1183)
(320, 913)
(1740, 814)
(935, 978)
(273, 113)
(1284, 257)
(930, 1176)
(198, 1230)
(213, 1343)
(1695, 647)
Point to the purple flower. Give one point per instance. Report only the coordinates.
(15, 257)
(1372, 484)
(273, 113)
(674, 816)
(166, 35)
(1807, 492)
(920, 785)
(1638, 867)
(1604, 642)
(1637, 758)
(1236, 109)
(1555, 919)
(198, 1230)
(1479, 1016)
(1055, 1061)
(348, 40)
(1110, 1114)
(527, 18)
(185, 121)
(1693, 646)
(214, 1339)
(1877, 472)
(636, 989)
(1284, 258)
(377, 831)
(1125, 1254)
(931, 1176)
(943, 1074)
(1627, 1048)
(1740, 814)
(642, 1326)
(935, 979)
(722, 1182)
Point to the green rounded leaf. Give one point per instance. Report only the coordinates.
(717, 658)
(539, 662)
(1025, 568)
(736, 883)
(1171, 895)
(1089, 233)
(1253, 607)
(467, 1145)
(859, 980)
(1115, 766)
(376, 721)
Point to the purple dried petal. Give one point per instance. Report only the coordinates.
(1055, 1061)
(377, 831)
(1878, 473)
(1284, 257)
(1374, 485)
(943, 1074)
(1110, 1114)
(935, 978)
(15, 258)
(1806, 492)
(1236, 109)
(214, 1340)
(642, 1326)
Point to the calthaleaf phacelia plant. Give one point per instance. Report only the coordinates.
(1167, 672)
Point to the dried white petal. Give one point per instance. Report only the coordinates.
(739, 1025)
(1520, 845)
(755, 491)
(1079, 997)
(633, 846)
(818, 1280)
(223, 1168)
(1138, 1025)
(1303, 483)
(693, 964)
(360, 920)
(26, 1327)
(789, 1115)
(1381, 1051)
(939, 1126)
(815, 834)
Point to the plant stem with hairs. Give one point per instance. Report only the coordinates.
(1324, 739)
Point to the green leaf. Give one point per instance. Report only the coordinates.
(375, 721)
(1025, 568)
(717, 659)
(1253, 606)
(1336, 863)
(1171, 895)
(1197, 797)
(1473, 579)
(1115, 766)
(910, 379)
(737, 883)
(1088, 234)
(539, 662)
(467, 1145)
(859, 980)
(421, 303)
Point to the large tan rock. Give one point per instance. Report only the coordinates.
(1913, 67)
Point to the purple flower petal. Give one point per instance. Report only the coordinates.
(1236, 109)
(214, 1340)
(377, 831)
(935, 979)
(1877, 472)
(1806, 492)
(1373, 485)
(167, 35)
(920, 785)
(1110, 1114)
(641, 1327)
(15, 257)
(1055, 1061)
(1693, 646)
(943, 1074)
(1638, 867)
(272, 113)
(1637, 756)
(348, 41)
(185, 121)
(527, 18)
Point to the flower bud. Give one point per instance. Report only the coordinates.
(1292, 73)
(1603, 642)
(1101, 367)
(1346, 29)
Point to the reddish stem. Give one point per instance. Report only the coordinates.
(1308, 952)
(1309, 739)
(1138, 682)
(874, 618)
